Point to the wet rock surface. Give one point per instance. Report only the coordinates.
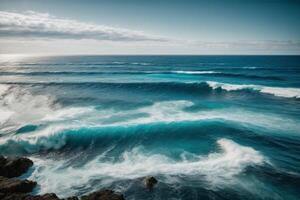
(16, 189)
(103, 195)
(13, 185)
(14, 167)
(72, 198)
(149, 182)
(50, 196)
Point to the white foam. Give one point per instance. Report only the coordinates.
(276, 91)
(3, 89)
(173, 111)
(217, 169)
(195, 72)
(18, 107)
(119, 63)
(281, 92)
(23, 106)
(5, 116)
(67, 113)
(140, 63)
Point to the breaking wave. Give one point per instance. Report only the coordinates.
(215, 169)
(276, 91)
(91, 123)
(19, 106)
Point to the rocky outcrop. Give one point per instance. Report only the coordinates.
(13, 185)
(49, 196)
(72, 198)
(14, 167)
(15, 189)
(103, 195)
(149, 182)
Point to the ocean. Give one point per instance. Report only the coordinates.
(207, 127)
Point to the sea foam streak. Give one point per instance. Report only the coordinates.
(276, 91)
(216, 169)
(195, 72)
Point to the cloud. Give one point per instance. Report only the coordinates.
(35, 32)
(248, 44)
(42, 25)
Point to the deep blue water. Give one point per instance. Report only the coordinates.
(207, 127)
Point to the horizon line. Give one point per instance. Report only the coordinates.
(75, 54)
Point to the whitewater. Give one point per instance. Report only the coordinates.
(207, 127)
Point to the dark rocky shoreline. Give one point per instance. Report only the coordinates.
(12, 188)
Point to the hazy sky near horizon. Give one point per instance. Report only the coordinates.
(150, 27)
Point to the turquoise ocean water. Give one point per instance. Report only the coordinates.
(207, 127)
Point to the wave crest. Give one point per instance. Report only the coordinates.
(90, 123)
(276, 91)
(19, 106)
(216, 169)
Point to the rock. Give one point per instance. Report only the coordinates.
(103, 195)
(149, 182)
(16, 196)
(13, 167)
(14, 185)
(2, 195)
(2, 160)
(15, 189)
(72, 198)
(48, 196)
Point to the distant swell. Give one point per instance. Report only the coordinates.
(133, 72)
(190, 88)
(226, 74)
(73, 73)
(83, 64)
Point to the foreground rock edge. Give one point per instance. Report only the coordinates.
(14, 167)
(12, 188)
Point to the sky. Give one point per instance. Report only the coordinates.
(201, 27)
